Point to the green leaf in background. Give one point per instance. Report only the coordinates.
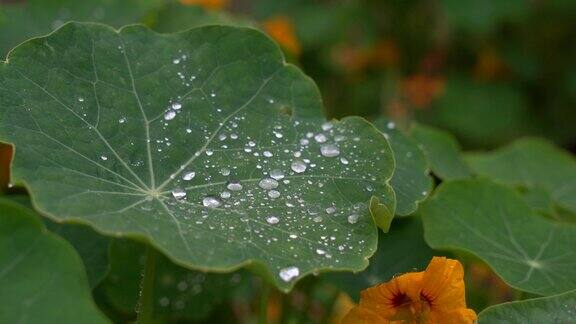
(174, 17)
(442, 151)
(205, 143)
(411, 181)
(91, 246)
(479, 114)
(554, 309)
(483, 16)
(178, 293)
(401, 250)
(532, 163)
(493, 222)
(41, 276)
(32, 18)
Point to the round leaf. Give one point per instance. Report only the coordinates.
(206, 143)
(41, 276)
(494, 222)
(554, 309)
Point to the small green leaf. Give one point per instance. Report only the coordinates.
(411, 181)
(42, 279)
(554, 309)
(532, 163)
(206, 143)
(178, 293)
(401, 250)
(493, 222)
(442, 151)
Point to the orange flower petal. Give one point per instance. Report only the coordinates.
(436, 295)
(208, 4)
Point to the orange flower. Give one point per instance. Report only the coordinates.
(207, 4)
(282, 30)
(432, 296)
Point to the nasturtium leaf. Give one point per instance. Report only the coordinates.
(411, 181)
(532, 163)
(492, 221)
(179, 293)
(42, 279)
(26, 19)
(205, 143)
(392, 258)
(553, 309)
(442, 151)
(91, 246)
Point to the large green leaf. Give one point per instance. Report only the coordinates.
(532, 163)
(41, 276)
(442, 151)
(391, 259)
(25, 19)
(493, 222)
(411, 181)
(554, 309)
(178, 293)
(204, 142)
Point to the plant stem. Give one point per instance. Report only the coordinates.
(263, 313)
(146, 302)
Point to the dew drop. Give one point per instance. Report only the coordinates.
(211, 202)
(274, 194)
(225, 172)
(122, 120)
(352, 219)
(179, 193)
(327, 126)
(267, 154)
(188, 175)
(298, 166)
(344, 160)
(176, 106)
(329, 150)
(320, 138)
(288, 274)
(391, 125)
(104, 158)
(268, 183)
(225, 194)
(234, 185)
(272, 220)
(331, 210)
(320, 252)
(80, 99)
(169, 115)
(277, 174)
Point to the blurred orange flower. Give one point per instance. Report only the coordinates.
(282, 30)
(436, 295)
(208, 4)
(421, 89)
(6, 152)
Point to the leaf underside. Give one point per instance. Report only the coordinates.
(169, 138)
